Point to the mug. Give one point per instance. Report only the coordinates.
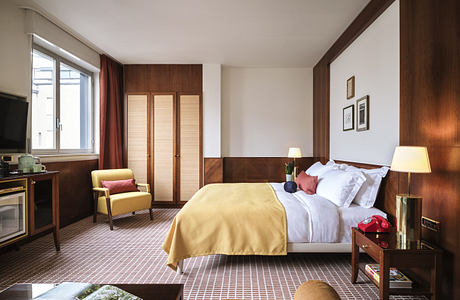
(38, 168)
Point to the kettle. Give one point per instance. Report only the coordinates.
(26, 163)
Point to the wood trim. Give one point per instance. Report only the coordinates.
(259, 169)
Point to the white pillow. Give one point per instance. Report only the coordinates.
(317, 169)
(340, 187)
(367, 194)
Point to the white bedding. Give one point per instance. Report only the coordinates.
(314, 219)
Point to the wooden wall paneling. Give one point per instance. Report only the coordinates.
(321, 111)
(430, 116)
(213, 170)
(260, 169)
(162, 78)
(75, 189)
(164, 151)
(190, 146)
(137, 115)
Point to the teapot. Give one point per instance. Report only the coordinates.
(26, 163)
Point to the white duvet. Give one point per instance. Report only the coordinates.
(314, 219)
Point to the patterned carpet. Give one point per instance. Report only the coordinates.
(132, 253)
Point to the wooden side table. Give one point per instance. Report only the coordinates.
(386, 250)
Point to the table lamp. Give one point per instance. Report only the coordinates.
(294, 152)
(410, 159)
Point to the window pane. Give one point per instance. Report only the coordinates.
(75, 109)
(43, 102)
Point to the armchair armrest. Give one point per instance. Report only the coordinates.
(146, 185)
(103, 190)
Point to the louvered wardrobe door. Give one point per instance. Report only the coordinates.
(163, 148)
(189, 145)
(137, 133)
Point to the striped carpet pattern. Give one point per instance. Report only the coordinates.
(132, 253)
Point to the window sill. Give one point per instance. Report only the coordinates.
(47, 158)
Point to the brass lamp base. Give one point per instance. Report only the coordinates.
(408, 217)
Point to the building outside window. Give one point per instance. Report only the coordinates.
(62, 105)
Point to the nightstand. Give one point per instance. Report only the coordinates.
(385, 249)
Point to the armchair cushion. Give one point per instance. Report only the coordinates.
(125, 203)
(120, 186)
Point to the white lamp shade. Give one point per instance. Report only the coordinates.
(411, 159)
(294, 152)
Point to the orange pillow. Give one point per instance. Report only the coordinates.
(307, 183)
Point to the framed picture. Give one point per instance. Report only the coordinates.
(349, 118)
(351, 87)
(362, 120)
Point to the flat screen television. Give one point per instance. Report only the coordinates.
(13, 123)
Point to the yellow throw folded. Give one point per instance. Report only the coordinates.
(232, 219)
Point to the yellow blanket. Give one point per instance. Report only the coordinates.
(232, 219)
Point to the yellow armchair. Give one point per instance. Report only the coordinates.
(122, 203)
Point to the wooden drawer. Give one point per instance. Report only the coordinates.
(368, 246)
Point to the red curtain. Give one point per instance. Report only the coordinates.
(111, 114)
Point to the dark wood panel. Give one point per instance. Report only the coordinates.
(429, 116)
(75, 198)
(260, 169)
(213, 170)
(321, 111)
(321, 75)
(163, 78)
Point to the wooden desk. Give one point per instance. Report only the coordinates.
(385, 249)
(26, 291)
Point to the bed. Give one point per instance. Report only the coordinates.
(264, 219)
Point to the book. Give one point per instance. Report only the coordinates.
(85, 291)
(397, 278)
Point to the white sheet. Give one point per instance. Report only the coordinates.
(314, 219)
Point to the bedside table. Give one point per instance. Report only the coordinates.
(388, 252)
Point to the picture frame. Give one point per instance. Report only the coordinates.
(348, 120)
(362, 113)
(351, 87)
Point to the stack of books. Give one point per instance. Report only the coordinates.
(397, 278)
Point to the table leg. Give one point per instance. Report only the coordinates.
(435, 276)
(354, 259)
(384, 282)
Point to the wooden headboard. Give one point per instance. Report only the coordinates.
(386, 198)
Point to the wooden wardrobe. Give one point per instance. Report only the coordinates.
(163, 130)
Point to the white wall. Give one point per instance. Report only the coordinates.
(266, 110)
(15, 57)
(211, 110)
(373, 58)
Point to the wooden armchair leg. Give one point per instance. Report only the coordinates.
(95, 200)
(151, 213)
(109, 213)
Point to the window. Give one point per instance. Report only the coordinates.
(62, 105)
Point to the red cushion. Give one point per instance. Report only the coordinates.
(307, 183)
(120, 186)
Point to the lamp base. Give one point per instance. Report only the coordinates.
(408, 217)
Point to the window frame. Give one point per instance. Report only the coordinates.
(57, 91)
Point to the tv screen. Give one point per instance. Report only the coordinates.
(13, 123)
